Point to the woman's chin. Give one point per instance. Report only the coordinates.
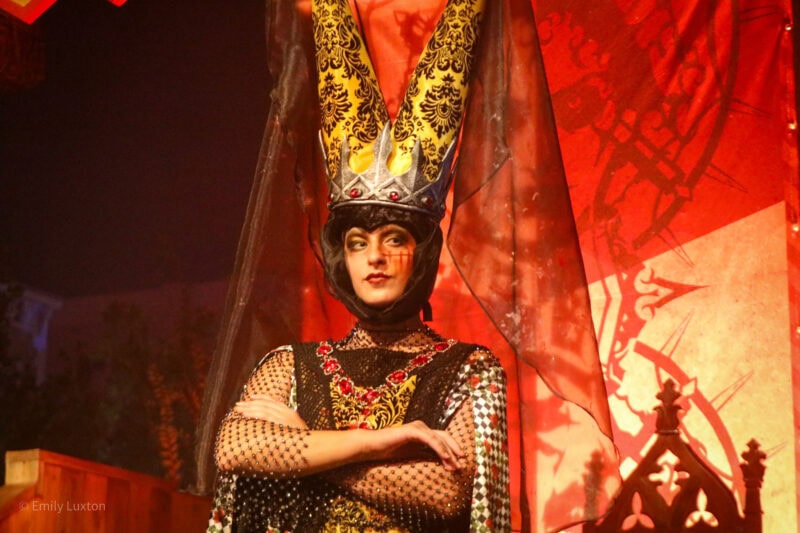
(378, 304)
(378, 299)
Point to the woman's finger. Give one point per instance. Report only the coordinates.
(437, 441)
(453, 444)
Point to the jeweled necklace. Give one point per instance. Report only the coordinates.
(331, 367)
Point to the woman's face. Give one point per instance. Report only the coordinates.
(379, 262)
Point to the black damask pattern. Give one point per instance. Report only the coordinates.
(341, 57)
(442, 106)
(452, 44)
(434, 101)
(333, 102)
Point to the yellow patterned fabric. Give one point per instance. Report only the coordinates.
(347, 515)
(352, 105)
(434, 103)
(388, 409)
(350, 516)
(350, 99)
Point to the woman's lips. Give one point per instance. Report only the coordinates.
(377, 277)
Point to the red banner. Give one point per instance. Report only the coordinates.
(30, 10)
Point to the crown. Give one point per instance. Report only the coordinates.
(369, 161)
(379, 186)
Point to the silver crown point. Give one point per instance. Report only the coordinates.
(377, 185)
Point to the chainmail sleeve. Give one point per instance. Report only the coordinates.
(481, 384)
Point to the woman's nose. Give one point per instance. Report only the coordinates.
(376, 255)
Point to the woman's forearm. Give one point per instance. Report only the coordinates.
(275, 450)
(423, 485)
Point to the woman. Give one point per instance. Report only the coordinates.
(395, 428)
(392, 428)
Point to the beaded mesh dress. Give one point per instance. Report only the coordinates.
(369, 380)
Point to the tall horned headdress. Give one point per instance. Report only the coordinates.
(368, 160)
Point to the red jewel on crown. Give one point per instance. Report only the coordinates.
(355, 193)
(324, 349)
(393, 196)
(442, 346)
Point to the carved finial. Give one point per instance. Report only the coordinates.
(753, 468)
(667, 413)
(753, 472)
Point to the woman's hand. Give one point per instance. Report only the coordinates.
(404, 442)
(266, 408)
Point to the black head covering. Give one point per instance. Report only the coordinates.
(428, 237)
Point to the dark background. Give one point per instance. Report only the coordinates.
(130, 165)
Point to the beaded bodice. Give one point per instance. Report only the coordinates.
(358, 382)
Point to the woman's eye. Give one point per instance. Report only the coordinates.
(355, 244)
(396, 240)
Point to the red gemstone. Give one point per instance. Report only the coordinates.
(427, 201)
(397, 376)
(330, 366)
(324, 349)
(421, 359)
(366, 412)
(363, 425)
(393, 196)
(442, 346)
(370, 396)
(345, 387)
(355, 193)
